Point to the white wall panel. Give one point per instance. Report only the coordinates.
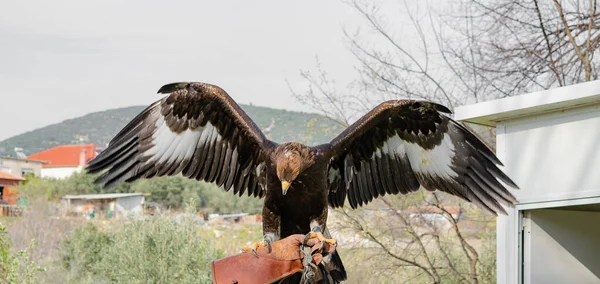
(554, 156)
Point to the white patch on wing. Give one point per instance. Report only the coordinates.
(333, 175)
(259, 168)
(396, 146)
(172, 147)
(187, 146)
(377, 152)
(434, 162)
(348, 172)
(205, 134)
(216, 133)
(165, 153)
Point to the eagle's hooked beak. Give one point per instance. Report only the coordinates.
(284, 187)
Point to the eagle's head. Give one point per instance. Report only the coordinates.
(292, 159)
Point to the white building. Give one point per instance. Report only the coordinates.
(110, 205)
(549, 142)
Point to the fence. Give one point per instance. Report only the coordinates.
(10, 211)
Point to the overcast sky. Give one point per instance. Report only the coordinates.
(62, 59)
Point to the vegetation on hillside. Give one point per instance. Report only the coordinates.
(168, 192)
(100, 127)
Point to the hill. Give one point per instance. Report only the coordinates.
(100, 127)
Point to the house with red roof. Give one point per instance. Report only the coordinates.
(9, 188)
(63, 161)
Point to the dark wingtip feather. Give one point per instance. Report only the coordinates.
(92, 168)
(496, 172)
(169, 88)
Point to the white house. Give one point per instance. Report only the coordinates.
(109, 205)
(549, 142)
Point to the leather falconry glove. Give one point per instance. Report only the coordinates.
(285, 259)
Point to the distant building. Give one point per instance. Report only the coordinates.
(9, 188)
(65, 160)
(434, 215)
(21, 167)
(429, 212)
(104, 206)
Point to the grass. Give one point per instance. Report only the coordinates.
(230, 239)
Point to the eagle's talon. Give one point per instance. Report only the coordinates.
(248, 249)
(254, 247)
(321, 238)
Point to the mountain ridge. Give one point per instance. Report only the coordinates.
(99, 127)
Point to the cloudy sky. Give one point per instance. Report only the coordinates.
(62, 59)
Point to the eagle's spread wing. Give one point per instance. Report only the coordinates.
(197, 130)
(402, 145)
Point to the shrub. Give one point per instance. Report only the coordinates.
(156, 250)
(16, 267)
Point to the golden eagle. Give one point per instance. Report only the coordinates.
(398, 147)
